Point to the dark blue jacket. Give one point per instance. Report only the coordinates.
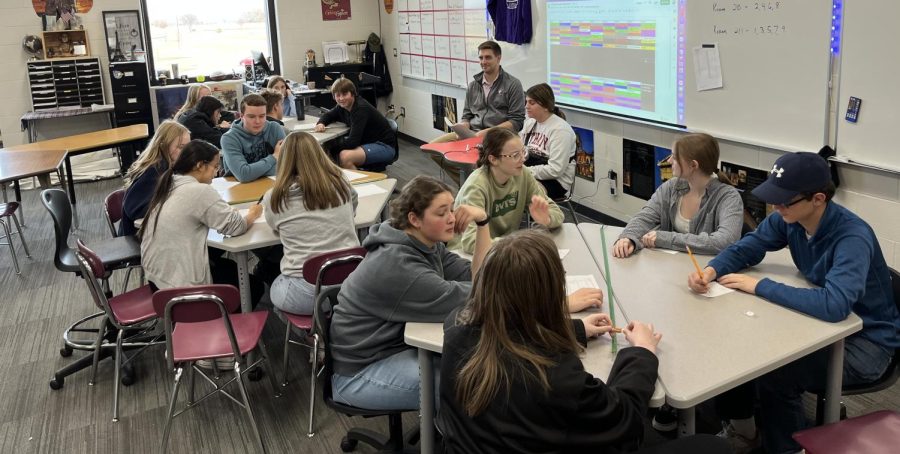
(137, 197)
(843, 259)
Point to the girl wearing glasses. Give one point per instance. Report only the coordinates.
(503, 187)
(697, 207)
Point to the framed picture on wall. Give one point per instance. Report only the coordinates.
(124, 36)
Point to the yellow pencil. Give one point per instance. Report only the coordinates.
(696, 265)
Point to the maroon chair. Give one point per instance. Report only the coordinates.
(323, 271)
(199, 324)
(112, 210)
(130, 311)
(874, 433)
(8, 210)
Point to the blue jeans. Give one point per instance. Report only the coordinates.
(378, 153)
(780, 391)
(293, 294)
(389, 384)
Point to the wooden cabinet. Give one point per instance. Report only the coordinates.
(66, 44)
(65, 83)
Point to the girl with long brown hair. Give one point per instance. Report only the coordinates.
(311, 207)
(511, 378)
(549, 140)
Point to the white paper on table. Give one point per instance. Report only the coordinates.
(664, 251)
(260, 220)
(563, 253)
(221, 184)
(707, 67)
(366, 190)
(215, 236)
(352, 176)
(305, 127)
(716, 289)
(271, 177)
(575, 282)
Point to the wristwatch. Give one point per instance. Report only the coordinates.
(484, 222)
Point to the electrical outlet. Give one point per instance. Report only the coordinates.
(403, 112)
(612, 182)
(395, 52)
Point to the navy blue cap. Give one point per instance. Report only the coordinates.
(794, 174)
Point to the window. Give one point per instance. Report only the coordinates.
(203, 36)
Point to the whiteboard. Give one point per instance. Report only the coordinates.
(775, 69)
(869, 71)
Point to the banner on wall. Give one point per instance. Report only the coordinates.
(389, 6)
(57, 7)
(335, 9)
(584, 153)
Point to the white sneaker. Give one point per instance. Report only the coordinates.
(222, 363)
(739, 443)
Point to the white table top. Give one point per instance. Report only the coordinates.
(333, 130)
(260, 234)
(711, 345)
(598, 358)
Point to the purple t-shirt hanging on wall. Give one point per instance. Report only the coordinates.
(512, 20)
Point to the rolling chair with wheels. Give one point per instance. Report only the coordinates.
(396, 441)
(114, 253)
(885, 381)
(323, 271)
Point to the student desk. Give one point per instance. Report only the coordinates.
(15, 166)
(368, 212)
(86, 143)
(252, 191)
(459, 153)
(332, 131)
(428, 338)
(711, 345)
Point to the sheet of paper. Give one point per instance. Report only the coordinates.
(366, 190)
(305, 127)
(215, 236)
(664, 251)
(707, 67)
(221, 184)
(576, 282)
(353, 176)
(563, 253)
(259, 220)
(272, 177)
(716, 289)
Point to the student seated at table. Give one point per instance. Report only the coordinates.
(511, 376)
(311, 207)
(695, 208)
(280, 85)
(370, 139)
(202, 120)
(141, 178)
(408, 275)
(274, 109)
(249, 148)
(837, 252)
(183, 209)
(550, 142)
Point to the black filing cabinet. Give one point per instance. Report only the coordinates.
(131, 96)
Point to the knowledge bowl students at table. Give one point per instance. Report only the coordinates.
(550, 142)
(277, 83)
(511, 377)
(408, 275)
(494, 99)
(202, 120)
(696, 208)
(836, 251)
(183, 209)
(250, 148)
(311, 206)
(370, 139)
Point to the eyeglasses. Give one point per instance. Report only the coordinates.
(792, 202)
(515, 156)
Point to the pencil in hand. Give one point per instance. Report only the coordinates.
(615, 330)
(260, 199)
(694, 260)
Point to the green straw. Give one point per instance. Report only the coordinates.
(609, 292)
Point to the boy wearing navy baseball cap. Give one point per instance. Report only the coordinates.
(836, 251)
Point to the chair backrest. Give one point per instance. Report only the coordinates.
(198, 303)
(57, 203)
(93, 270)
(331, 268)
(112, 208)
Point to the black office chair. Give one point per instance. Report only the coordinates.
(114, 253)
(885, 381)
(396, 442)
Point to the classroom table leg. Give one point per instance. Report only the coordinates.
(686, 422)
(833, 382)
(426, 404)
(242, 259)
(21, 211)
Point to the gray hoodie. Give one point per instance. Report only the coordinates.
(400, 280)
